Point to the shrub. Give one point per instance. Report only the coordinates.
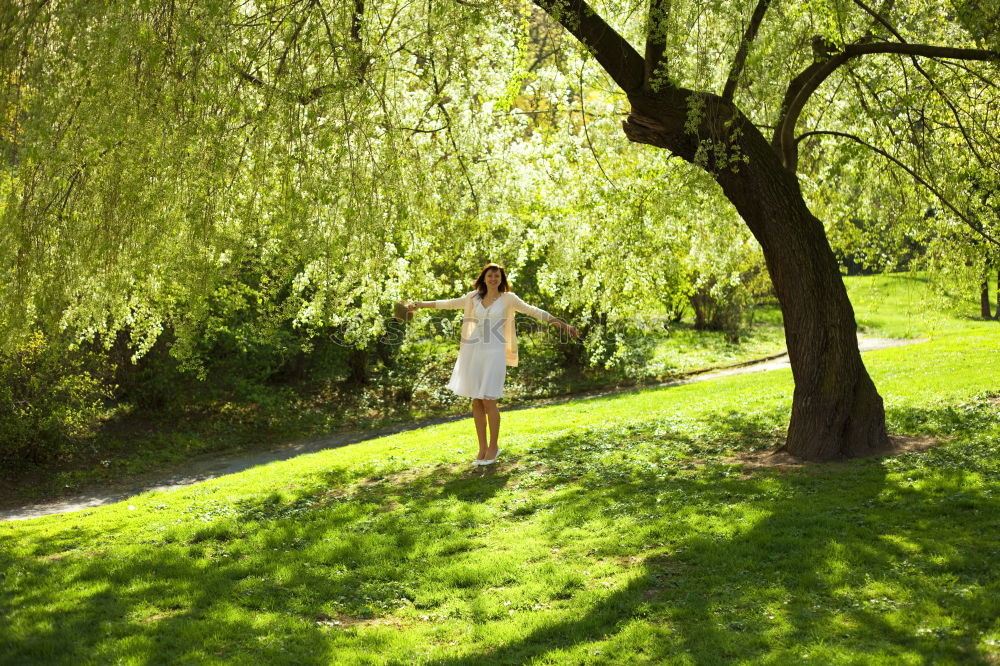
(51, 401)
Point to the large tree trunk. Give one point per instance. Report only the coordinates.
(998, 295)
(836, 410)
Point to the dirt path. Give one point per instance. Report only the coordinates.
(214, 467)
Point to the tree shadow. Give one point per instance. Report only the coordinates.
(701, 593)
(702, 599)
(291, 574)
(712, 553)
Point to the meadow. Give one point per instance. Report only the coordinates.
(614, 529)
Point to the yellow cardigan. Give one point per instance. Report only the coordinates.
(512, 305)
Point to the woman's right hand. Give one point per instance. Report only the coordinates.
(411, 306)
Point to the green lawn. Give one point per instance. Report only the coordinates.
(903, 306)
(612, 531)
(687, 350)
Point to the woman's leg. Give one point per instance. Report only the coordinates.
(479, 416)
(490, 407)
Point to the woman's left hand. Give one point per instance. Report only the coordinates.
(572, 331)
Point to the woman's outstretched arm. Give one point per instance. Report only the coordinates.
(446, 304)
(542, 315)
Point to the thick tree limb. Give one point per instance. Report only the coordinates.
(925, 50)
(799, 90)
(741, 53)
(613, 52)
(806, 83)
(972, 224)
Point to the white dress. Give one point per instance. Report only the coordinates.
(482, 363)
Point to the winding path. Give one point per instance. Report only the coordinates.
(214, 467)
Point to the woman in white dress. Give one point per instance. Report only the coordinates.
(488, 346)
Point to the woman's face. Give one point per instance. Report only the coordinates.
(492, 278)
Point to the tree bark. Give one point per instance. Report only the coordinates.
(836, 411)
(357, 367)
(984, 299)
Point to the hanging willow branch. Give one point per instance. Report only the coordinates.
(741, 53)
(972, 224)
(805, 84)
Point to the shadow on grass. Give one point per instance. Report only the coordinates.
(835, 554)
(710, 597)
(827, 532)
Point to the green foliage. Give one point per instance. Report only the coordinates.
(722, 306)
(912, 184)
(981, 19)
(51, 402)
(161, 156)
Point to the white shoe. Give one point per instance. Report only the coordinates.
(491, 460)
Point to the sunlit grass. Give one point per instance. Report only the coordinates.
(902, 305)
(614, 530)
(687, 350)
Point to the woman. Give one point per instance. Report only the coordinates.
(488, 346)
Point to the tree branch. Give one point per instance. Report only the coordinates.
(926, 50)
(989, 83)
(329, 35)
(806, 83)
(302, 98)
(954, 111)
(799, 91)
(586, 130)
(356, 22)
(916, 64)
(741, 53)
(975, 226)
(280, 69)
(656, 42)
(613, 52)
(440, 101)
(878, 19)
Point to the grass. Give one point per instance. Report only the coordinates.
(903, 305)
(687, 350)
(615, 530)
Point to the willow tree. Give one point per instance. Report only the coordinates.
(716, 117)
(151, 149)
(919, 181)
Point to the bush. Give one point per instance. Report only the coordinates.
(51, 401)
(724, 305)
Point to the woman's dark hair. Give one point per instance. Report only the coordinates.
(480, 283)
